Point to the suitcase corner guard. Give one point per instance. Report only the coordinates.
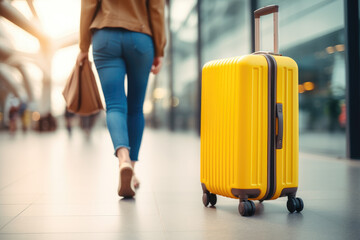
(290, 192)
(244, 194)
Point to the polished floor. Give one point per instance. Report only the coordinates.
(56, 187)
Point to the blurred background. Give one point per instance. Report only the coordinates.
(38, 49)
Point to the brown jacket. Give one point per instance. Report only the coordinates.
(146, 16)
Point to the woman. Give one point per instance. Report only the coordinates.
(128, 38)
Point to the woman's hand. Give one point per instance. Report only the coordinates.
(82, 56)
(157, 63)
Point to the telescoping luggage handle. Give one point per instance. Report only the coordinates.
(262, 12)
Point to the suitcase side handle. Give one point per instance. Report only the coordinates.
(262, 12)
(280, 117)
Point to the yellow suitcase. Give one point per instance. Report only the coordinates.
(249, 127)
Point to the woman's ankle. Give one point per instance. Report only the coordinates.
(123, 155)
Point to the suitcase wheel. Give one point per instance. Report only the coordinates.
(209, 198)
(295, 204)
(299, 204)
(206, 199)
(246, 208)
(213, 199)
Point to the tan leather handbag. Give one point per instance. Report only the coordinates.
(81, 93)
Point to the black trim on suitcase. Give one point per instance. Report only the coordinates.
(290, 192)
(244, 194)
(272, 75)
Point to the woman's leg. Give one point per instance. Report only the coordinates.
(111, 68)
(139, 56)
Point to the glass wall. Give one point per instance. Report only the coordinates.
(310, 31)
(226, 28)
(225, 31)
(175, 88)
(185, 74)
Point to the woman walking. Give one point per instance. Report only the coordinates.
(128, 38)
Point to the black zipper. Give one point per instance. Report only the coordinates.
(272, 75)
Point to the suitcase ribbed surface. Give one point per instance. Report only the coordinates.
(286, 82)
(234, 124)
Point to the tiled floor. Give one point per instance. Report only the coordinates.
(55, 187)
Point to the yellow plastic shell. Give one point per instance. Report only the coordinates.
(234, 125)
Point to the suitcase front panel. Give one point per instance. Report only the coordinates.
(234, 125)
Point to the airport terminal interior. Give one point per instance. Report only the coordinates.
(58, 173)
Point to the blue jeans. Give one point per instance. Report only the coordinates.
(118, 52)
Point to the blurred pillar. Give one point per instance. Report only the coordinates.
(8, 56)
(45, 106)
(5, 50)
(171, 70)
(14, 16)
(26, 82)
(199, 66)
(7, 81)
(153, 115)
(48, 49)
(352, 78)
(253, 7)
